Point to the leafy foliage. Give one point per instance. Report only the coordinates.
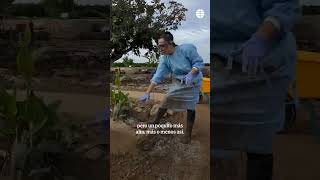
(28, 123)
(152, 60)
(127, 62)
(25, 61)
(119, 100)
(136, 24)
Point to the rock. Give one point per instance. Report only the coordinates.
(138, 109)
(94, 153)
(154, 109)
(170, 112)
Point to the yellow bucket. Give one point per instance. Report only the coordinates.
(307, 73)
(205, 85)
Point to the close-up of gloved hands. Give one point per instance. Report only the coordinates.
(144, 98)
(253, 53)
(189, 79)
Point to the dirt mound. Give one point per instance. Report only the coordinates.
(168, 159)
(154, 157)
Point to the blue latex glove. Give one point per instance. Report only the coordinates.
(253, 53)
(144, 98)
(189, 79)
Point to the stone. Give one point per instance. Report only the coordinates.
(138, 109)
(170, 112)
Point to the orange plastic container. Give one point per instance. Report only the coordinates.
(205, 85)
(307, 74)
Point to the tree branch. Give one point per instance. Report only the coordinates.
(116, 56)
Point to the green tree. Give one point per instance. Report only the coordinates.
(135, 24)
(127, 62)
(152, 59)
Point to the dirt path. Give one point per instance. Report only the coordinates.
(80, 104)
(192, 161)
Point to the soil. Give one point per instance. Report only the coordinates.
(87, 159)
(87, 156)
(60, 80)
(155, 157)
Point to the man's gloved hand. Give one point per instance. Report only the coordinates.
(189, 79)
(144, 98)
(253, 52)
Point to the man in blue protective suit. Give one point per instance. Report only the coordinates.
(253, 57)
(184, 64)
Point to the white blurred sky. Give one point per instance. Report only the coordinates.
(193, 30)
(197, 31)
